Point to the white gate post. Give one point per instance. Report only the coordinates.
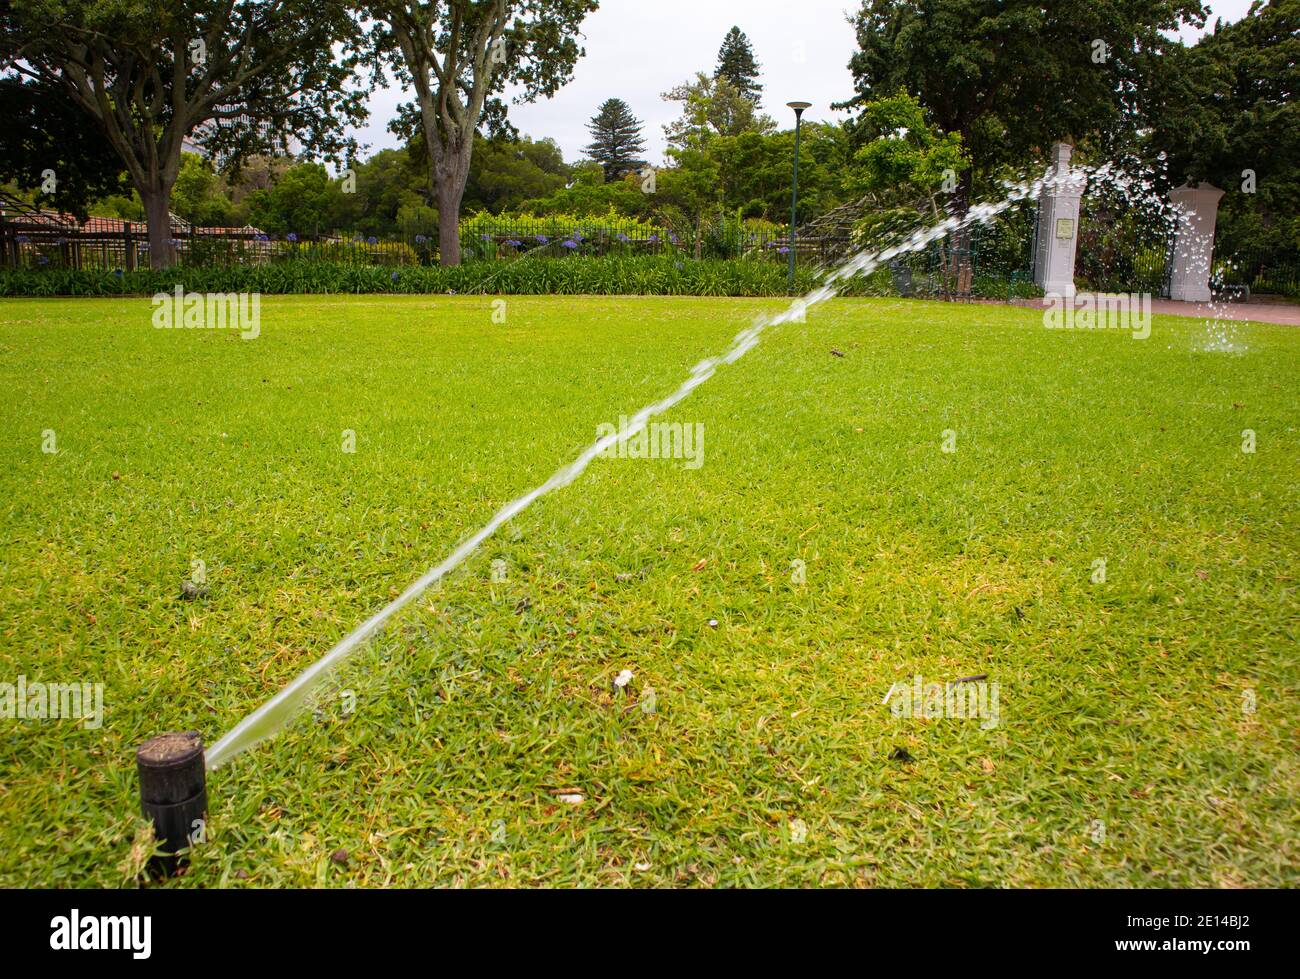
(1058, 224)
(1198, 211)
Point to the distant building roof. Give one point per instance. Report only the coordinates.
(56, 220)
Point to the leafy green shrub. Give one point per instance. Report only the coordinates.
(492, 236)
(663, 275)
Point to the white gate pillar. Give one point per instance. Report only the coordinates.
(1058, 223)
(1198, 212)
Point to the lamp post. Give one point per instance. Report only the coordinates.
(794, 193)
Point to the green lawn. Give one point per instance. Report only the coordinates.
(1125, 754)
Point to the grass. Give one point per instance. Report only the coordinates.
(1124, 755)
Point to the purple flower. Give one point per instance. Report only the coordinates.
(783, 250)
(21, 239)
(372, 240)
(393, 276)
(570, 244)
(291, 236)
(622, 237)
(513, 243)
(542, 239)
(262, 237)
(486, 237)
(420, 239)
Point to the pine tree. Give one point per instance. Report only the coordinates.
(737, 65)
(617, 143)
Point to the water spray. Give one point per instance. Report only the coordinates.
(172, 767)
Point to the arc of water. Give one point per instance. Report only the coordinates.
(272, 715)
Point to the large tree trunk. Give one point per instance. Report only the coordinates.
(157, 200)
(449, 178)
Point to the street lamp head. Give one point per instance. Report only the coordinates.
(798, 107)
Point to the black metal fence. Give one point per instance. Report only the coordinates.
(125, 245)
(25, 244)
(992, 261)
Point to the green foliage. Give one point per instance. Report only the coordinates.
(503, 173)
(304, 201)
(754, 171)
(150, 74)
(903, 163)
(43, 132)
(590, 196)
(1012, 76)
(1228, 106)
(201, 195)
(390, 193)
(558, 225)
(459, 56)
(653, 275)
(616, 140)
(737, 65)
(712, 107)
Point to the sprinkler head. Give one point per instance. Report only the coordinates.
(173, 792)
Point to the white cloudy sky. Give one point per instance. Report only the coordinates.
(638, 49)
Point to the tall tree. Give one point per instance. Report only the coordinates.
(1011, 76)
(242, 75)
(1244, 134)
(44, 134)
(737, 65)
(457, 55)
(712, 107)
(616, 141)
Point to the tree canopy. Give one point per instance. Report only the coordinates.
(458, 55)
(616, 140)
(737, 65)
(1012, 76)
(242, 76)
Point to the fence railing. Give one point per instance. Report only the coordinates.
(995, 255)
(26, 244)
(32, 245)
(1261, 273)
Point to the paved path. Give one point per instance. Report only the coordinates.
(1287, 314)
